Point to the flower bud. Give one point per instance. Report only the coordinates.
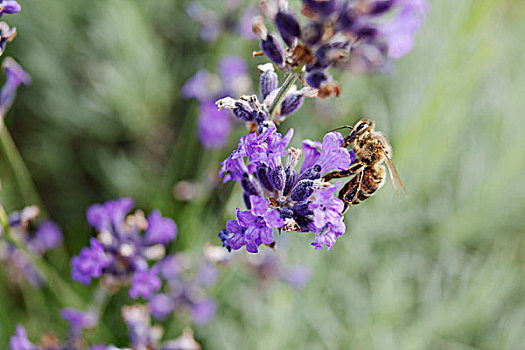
(302, 208)
(286, 213)
(273, 49)
(312, 33)
(277, 177)
(291, 103)
(321, 7)
(312, 173)
(248, 186)
(288, 27)
(268, 82)
(316, 78)
(262, 176)
(380, 6)
(290, 180)
(243, 111)
(302, 190)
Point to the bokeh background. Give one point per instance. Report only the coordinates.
(441, 269)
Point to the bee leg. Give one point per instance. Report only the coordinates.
(354, 169)
(350, 191)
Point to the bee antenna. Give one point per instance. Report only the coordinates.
(342, 127)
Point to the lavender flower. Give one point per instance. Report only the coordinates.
(255, 226)
(144, 283)
(15, 75)
(185, 289)
(19, 341)
(249, 109)
(339, 34)
(9, 7)
(142, 334)
(203, 311)
(121, 253)
(38, 238)
(214, 126)
(78, 320)
(279, 197)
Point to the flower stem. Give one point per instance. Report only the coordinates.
(287, 85)
(22, 175)
(60, 288)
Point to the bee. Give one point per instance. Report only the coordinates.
(371, 150)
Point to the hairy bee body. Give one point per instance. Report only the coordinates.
(371, 150)
(363, 185)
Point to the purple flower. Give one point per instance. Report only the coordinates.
(9, 7)
(48, 236)
(311, 153)
(268, 147)
(333, 155)
(142, 334)
(327, 209)
(214, 126)
(19, 341)
(297, 276)
(203, 311)
(197, 87)
(90, 263)
(329, 235)
(78, 320)
(161, 306)
(160, 229)
(230, 69)
(110, 214)
(257, 225)
(15, 75)
(144, 283)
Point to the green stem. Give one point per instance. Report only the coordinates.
(60, 288)
(287, 85)
(22, 175)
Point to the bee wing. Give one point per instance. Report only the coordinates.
(394, 176)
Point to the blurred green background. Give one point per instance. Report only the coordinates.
(441, 269)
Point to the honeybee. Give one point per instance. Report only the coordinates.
(371, 150)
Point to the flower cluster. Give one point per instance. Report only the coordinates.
(142, 335)
(213, 125)
(38, 238)
(259, 115)
(124, 246)
(185, 289)
(279, 196)
(355, 35)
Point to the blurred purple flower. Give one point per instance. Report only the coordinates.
(90, 263)
(15, 75)
(78, 320)
(19, 341)
(203, 311)
(124, 246)
(161, 306)
(197, 87)
(160, 229)
(214, 126)
(144, 284)
(297, 276)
